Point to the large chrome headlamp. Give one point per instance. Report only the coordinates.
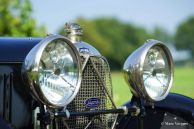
(52, 69)
(149, 71)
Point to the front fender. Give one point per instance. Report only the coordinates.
(175, 112)
(4, 125)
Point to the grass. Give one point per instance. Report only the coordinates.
(183, 84)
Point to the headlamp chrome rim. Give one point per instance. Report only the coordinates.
(133, 70)
(30, 70)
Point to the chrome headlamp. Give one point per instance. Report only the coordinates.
(52, 69)
(149, 71)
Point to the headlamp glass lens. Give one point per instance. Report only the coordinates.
(58, 72)
(156, 72)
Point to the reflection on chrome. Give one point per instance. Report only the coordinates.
(54, 88)
(149, 71)
(155, 85)
(155, 77)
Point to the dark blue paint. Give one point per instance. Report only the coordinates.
(4, 125)
(14, 49)
(92, 102)
(179, 105)
(84, 50)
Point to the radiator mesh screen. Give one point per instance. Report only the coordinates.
(95, 73)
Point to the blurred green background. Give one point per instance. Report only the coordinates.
(183, 84)
(114, 38)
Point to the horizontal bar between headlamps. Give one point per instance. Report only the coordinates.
(123, 110)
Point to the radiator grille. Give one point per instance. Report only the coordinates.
(95, 73)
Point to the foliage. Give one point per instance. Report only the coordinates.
(115, 40)
(184, 36)
(161, 34)
(16, 19)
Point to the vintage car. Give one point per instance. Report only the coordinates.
(59, 82)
